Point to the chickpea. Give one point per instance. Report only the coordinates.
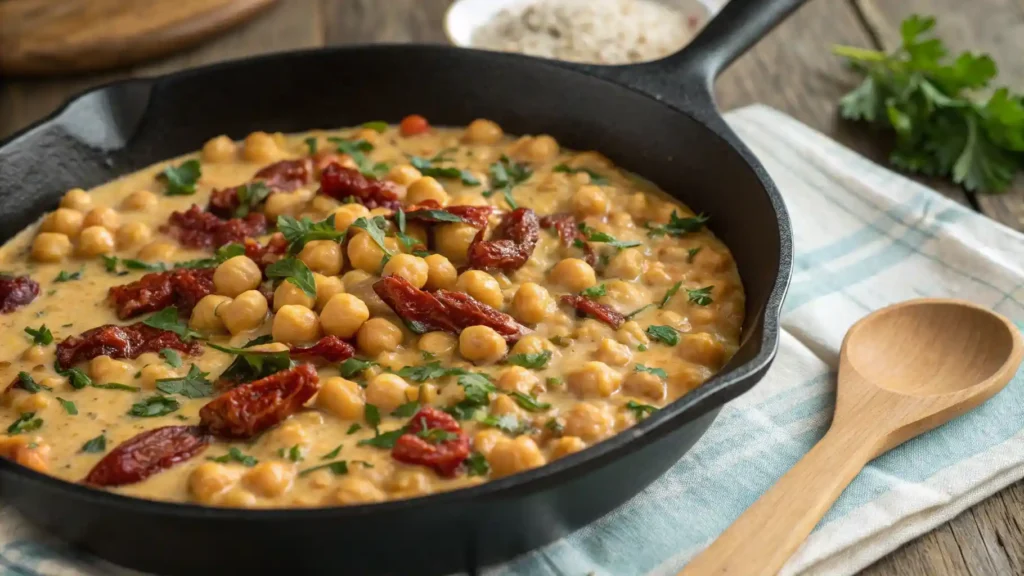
(133, 234)
(426, 188)
(645, 384)
(540, 148)
(287, 293)
(343, 315)
(289, 434)
(441, 273)
(381, 211)
(403, 174)
(153, 372)
(487, 439)
(532, 303)
(656, 274)
(614, 353)
(260, 147)
(573, 274)
(482, 344)
(269, 479)
(323, 205)
(157, 252)
(517, 379)
(345, 215)
(280, 203)
(50, 247)
(593, 379)
(453, 240)
(32, 402)
(341, 397)
(386, 392)
(140, 200)
(482, 131)
(246, 312)
(34, 354)
(566, 445)
(323, 256)
(33, 457)
(211, 479)
(365, 254)
(474, 199)
(326, 288)
(437, 343)
(482, 286)
(378, 335)
(424, 393)
(102, 216)
(417, 232)
(295, 324)
(219, 149)
(95, 240)
(702, 348)
(504, 405)
(590, 201)
(106, 369)
(412, 268)
(236, 275)
(238, 497)
(204, 315)
(354, 490)
(512, 456)
(355, 278)
(409, 483)
(76, 199)
(63, 221)
(587, 422)
(532, 344)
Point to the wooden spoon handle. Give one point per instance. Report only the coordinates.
(767, 534)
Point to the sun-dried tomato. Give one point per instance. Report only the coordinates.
(444, 451)
(16, 291)
(121, 342)
(182, 287)
(444, 310)
(325, 158)
(570, 235)
(286, 175)
(339, 182)
(266, 254)
(594, 309)
(251, 408)
(197, 228)
(512, 244)
(148, 453)
(330, 348)
(425, 211)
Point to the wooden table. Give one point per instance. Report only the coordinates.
(790, 70)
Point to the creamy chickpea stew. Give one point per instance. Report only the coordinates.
(352, 316)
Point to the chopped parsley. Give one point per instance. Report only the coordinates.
(553, 381)
(96, 445)
(384, 440)
(251, 365)
(700, 296)
(666, 334)
(638, 310)
(372, 415)
(354, 366)
(669, 294)
(429, 371)
(75, 376)
(68, 406)
(181, 180)
(594, 291)
(65, 276)
(27, 422)
(639, 410)
(506, 175)
(154, 406)
(595, 177)
(294, 453)
(300, 232)
(692, 253)
(376, 227)
(338, 468)
(434, 216)
(27, 383)
(41, 336)
(642, 347)
(507, 423)
(427, 168)
(476, 465)
(116, 386)
(677, 226)
(295, 271)
(250, 196)
(221, 255)
(311, 142)
(235, 455)
(192, 385)
(555, 426)
(379, 126)
(406, 410)
(333, 453)
(660, 373)
(532, 361)
(172, 357)
(437, 435)
(594, 235)
(353, 429)
(167, 319)
(528, 402)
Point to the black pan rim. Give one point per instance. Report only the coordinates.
(709, 396)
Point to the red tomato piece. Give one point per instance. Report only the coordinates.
(413, 124)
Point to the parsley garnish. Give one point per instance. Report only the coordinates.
(41, 336)
(594, 235)
(429, 371)
(65, 276)
(436, 435)
(167, 319)
(333, 453)
(181, 180)
(656, 371)
(507, 423)
(250, 196)
(677, 226)
(529, 403)
(252, 365)
(265, 339)
(532, 361)
(353, 429)
(553, 381)
(372, 415)
(235, 455)
(670, 293)
(594, 291)
(384, 440)
(295, 271)
(595, 178)
(434, 216)
(357, 149)
(427, 168)
(476, 465)
(555, 426)
(338, 468)
(294, 453)
(222, 254)
(666, 334)
(26, 382)
(154, 406)
(27, 422)
(353, 366)
(192, 385)
(406, 410)
(639, 410)
(68, 406)
(942, 128)
(172, 357)
(300, 232)
(638, 310)
(700, 296)
(692, 253)
(311, 142)
(96, 445)
(506, 175)
(376, 227)
(110, 263)
(376, 125)
(116, 386)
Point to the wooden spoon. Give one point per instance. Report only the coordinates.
(903, 370)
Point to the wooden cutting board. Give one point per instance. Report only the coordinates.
(62, 36)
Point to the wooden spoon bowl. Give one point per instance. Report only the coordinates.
(903, 370)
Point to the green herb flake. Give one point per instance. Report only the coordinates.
(700, 296)
(660, 373)
(293, 454)
(75, 376)
(167, 319)
(235, 455)
(372, 415)
(638, 311)
(642, 347)
(476, 465)
(356, 427)
(250, 197)
(428, 168)
(594, 291)
(65, 276)
(311, 143)
(40, 336)
(385, 440)
(669, 294)
(27, 422)
(339, 468)
(532, 361)
(333, 453)
(353, 366)
(221, 255)
(172, 357)
(154, 406)
(692, 253)
(295, 271)
(250, 365)
(677, 226)
(115, 386)
(555, 426)
(406, 410)
(595, 177)
(300, 232)
(27, 383)
(192, 385)
(68, 406)
(553, 381)
(96, 445)
(640, 411)
(429, 371)
(665, 334)
(181, 180)
(376, 227)
(378, 126)
(594, 235)
(506, 175)
(529, 403)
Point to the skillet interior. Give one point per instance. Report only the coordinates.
(127, 126)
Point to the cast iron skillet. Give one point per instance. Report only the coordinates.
(656, 119)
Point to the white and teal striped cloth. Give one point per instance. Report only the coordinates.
(865, 238)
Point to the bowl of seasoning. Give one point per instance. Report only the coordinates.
(598, 32)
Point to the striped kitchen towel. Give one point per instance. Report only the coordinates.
(865, 238)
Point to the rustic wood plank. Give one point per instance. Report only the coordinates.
(927, 556)
(360, 21)
(995, 27)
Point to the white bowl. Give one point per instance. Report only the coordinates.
(465, 16)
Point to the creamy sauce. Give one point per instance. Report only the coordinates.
(594, 371)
